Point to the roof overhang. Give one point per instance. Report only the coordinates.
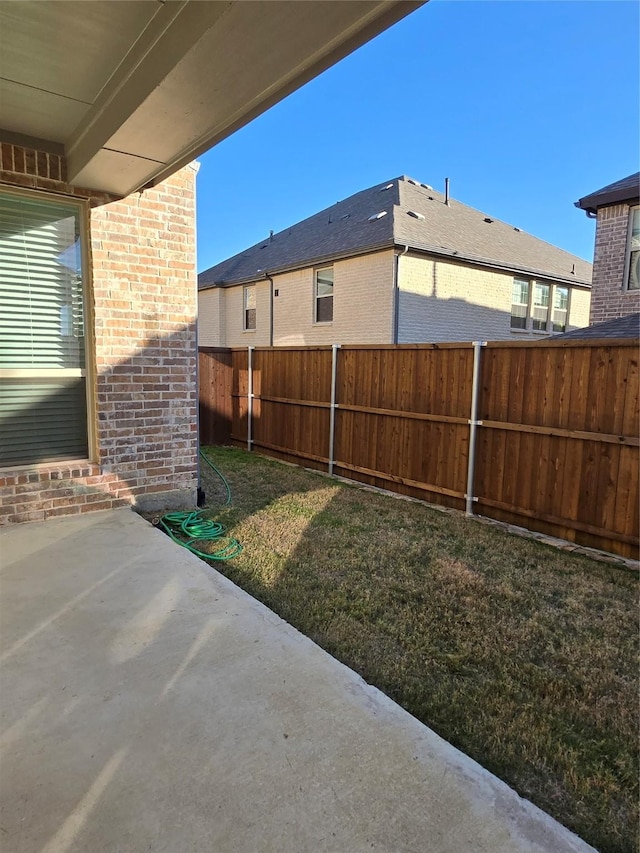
(628, 192)
(418, 248)
(132, 91)
(489, 263)
(260, 275)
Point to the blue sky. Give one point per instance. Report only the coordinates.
(525, 106)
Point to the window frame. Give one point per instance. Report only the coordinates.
(246, 289)
(552, 308)
(89, 372)
(521, 329)
(532, 305)
(528, 328)
(316, 298)
(626, 278)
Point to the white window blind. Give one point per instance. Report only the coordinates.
(42, 359)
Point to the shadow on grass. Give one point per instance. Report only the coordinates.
(523, 656)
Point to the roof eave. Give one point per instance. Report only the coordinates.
(488, 262)
(591, 203)
(298, 265)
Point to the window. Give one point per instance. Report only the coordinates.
(560, 307)
(540, 307)
(532, 302)
(519, 303)
(324, 295)
(43, 386)
(249, 300)
(632, 277)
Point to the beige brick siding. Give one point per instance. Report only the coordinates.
(235, 334)
(362, 307)
(579, 305)
(609, 298)
(211, 318)
(443, 301)
(143, 293)
(438, 301)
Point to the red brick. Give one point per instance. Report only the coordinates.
(6, 157)
(17, 180)
(42, 164)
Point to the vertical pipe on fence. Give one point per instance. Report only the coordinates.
(474, 423)
(332, 410)
(249, 397)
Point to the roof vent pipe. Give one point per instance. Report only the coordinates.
(446, 191)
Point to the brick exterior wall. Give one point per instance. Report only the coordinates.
(211, 318)
(609, 297)
(362, 307)
(143, 378)
(232, 327)
(438, 301)
(442, 301)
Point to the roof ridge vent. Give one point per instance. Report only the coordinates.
(411, 181)
(415, 214)
(426, 186)
(377, 216)
(488, 219)
(387, 187)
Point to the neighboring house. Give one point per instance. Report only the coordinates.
(616, 259)
(621, 327)
(395, 263)
(103, 110)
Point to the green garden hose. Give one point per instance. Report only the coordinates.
(187, 528)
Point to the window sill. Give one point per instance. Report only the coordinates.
(249, 331)
(67, 469)
(323, 323)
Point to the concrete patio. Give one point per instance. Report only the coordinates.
(148, 704)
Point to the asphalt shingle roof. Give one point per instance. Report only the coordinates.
(621, 327)
(347, 228)
(626, 189)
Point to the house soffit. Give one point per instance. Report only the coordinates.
(135, 90)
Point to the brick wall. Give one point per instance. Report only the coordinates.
(233, 331)
(42, 170)
(362, 304)
(609, 297)
(362, 308)
(143, 294)
(211, 318)
(443, 301)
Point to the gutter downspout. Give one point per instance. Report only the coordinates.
(270, 309)
(396, 293)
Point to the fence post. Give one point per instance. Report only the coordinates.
(334, 405)
(249, 397)
(474, 423)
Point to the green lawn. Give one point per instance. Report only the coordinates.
(524, 657)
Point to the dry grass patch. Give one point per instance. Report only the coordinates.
(524, 657)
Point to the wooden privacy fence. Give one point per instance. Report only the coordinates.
(542, 434)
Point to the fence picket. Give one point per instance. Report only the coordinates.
(549, 441)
